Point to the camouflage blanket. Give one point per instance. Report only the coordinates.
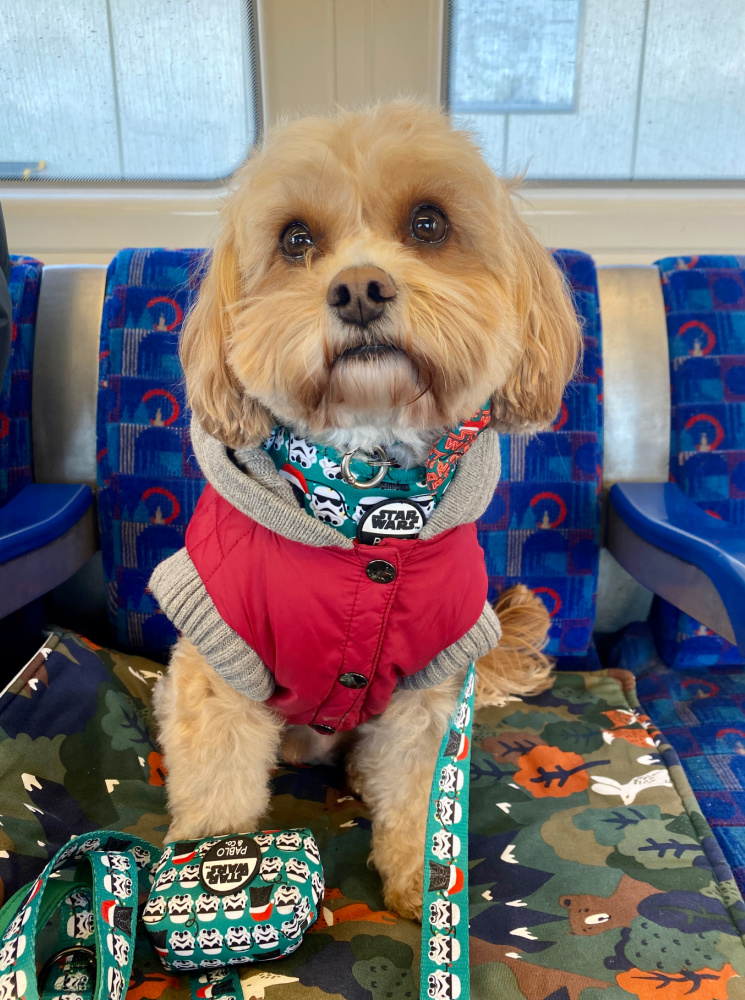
(591, 866)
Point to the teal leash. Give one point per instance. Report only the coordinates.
(111, 875)
(444, 971)
(95, 959)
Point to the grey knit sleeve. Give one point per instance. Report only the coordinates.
(484, 635)
(179, 591)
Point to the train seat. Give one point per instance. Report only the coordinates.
(47, 530)
(542, 527)
(148, 479)
(689, 678)
(705, 305)
(77, 721)
(686, 539)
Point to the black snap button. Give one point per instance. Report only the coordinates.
(324, 730)
(353, 680)
(381, 571)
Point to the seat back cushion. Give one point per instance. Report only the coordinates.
(16, 458)
(148, 478)
(705, 307)
(542, 527)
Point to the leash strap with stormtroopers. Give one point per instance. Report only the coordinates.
(92, 955)
(444, 961)
(95, 943)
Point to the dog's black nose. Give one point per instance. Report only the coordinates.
(360, 294)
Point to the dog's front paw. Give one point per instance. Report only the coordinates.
(177, 831)
(354, 776)
(184, 829)
(406, 900)
(193, 825)
(399, 861)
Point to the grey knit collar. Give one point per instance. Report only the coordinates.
(249, 480)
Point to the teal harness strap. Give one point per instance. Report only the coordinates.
(316, 473)
(222, 982)
(444, 962)
(99, 914)
(96, 940)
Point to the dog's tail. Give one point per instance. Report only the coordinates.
(518, 664)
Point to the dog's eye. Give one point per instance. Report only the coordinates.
(429, 224)
(295, 240)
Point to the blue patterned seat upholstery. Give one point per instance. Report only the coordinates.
(16, 458)
(705, 306)
(697, 695)
(541, 529)
(702, 714)
(148, 479)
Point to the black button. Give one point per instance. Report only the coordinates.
(324, 730)
(353, 680)
(381, 571)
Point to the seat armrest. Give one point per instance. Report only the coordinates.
(692, 559)
(47, 532)
(39, 514)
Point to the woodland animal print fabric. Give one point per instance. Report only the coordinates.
(591, 866)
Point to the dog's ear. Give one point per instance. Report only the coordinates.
(215, 395)
(552, 339)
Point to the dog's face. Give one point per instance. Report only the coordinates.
(373, 270)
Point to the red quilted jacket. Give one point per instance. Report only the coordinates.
(336, 627)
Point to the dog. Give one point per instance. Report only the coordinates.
(372, 289)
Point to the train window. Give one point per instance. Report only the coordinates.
(603, 89)
(126, 89)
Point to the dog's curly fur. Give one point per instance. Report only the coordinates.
(483, 315)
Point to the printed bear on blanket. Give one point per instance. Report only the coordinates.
(595, 914)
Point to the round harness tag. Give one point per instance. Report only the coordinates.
(229, 865)
(390, 519)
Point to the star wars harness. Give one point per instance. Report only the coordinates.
(222, 902)
(400, 501)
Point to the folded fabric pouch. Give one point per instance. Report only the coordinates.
(234, 900)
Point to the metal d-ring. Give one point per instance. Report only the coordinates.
(349, 477)
(74, 949)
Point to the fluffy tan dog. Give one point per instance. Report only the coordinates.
(372, 285)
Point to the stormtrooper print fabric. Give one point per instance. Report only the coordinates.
(315, 474)
(234, 900)
(99, 869)
(444, 958)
